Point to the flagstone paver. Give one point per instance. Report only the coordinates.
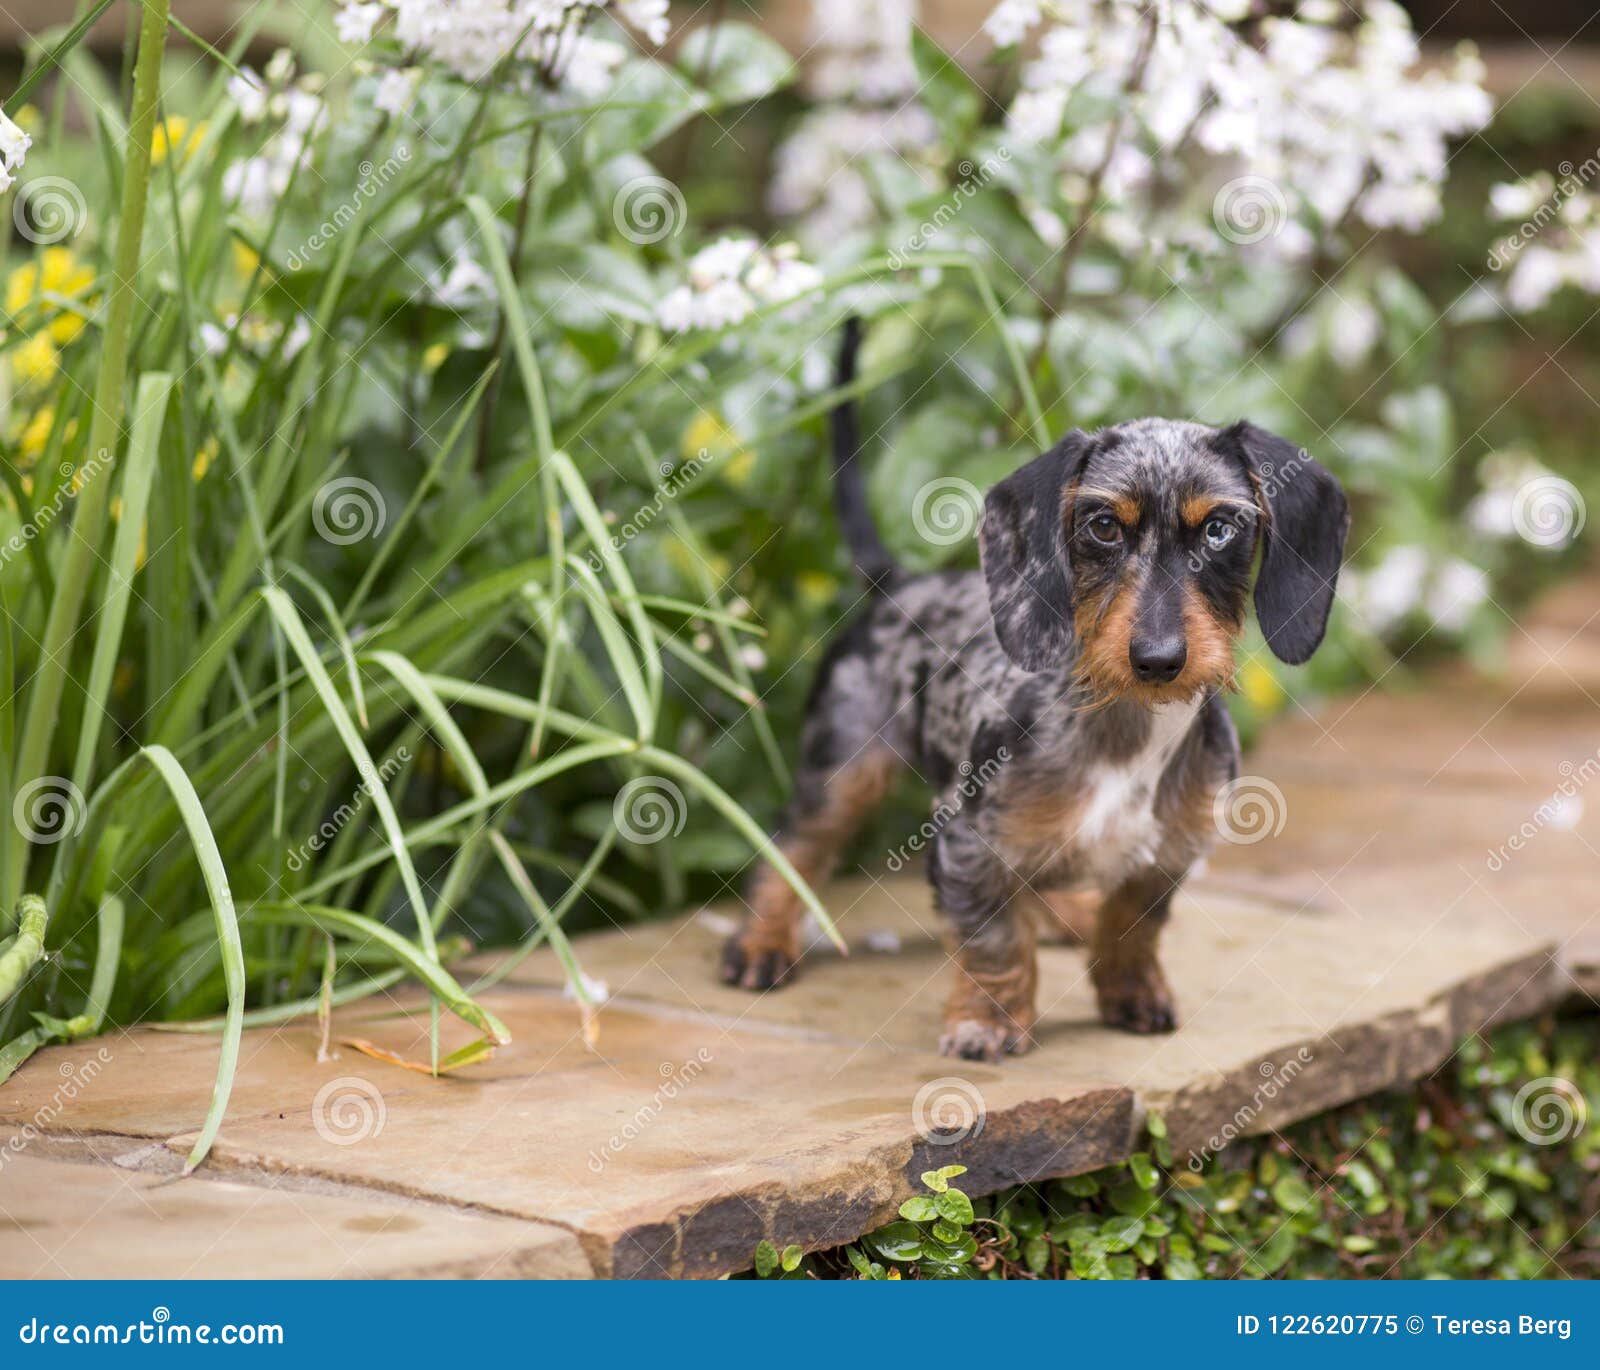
(1427, 871)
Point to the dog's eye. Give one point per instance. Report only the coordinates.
(1105, 529)
(1219, 533)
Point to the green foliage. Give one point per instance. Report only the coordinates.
(1455, 1179)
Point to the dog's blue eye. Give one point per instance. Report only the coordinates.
(1104, 528)
(1219, 533)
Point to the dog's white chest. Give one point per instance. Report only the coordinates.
(1115, 829)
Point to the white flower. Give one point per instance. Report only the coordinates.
(354, 23)
(7, 180)
(213, 340)
(299, 335)
(397, 88)
(14, 145)
(465, 280)
(251, 184)
(1458, 589)
(1010, 21)
(649, 17)
(1390, 591)
(1540, 272)
(730, 280)
(249, 92)
(592, 64)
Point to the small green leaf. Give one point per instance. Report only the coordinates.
(792, 1256)
(1143, 1170)
(766, 1258)
(1080, 1186)
(1155, 1125)
(1292, 1194)
(935, 1180)
(919, 1209)
(955, 1207)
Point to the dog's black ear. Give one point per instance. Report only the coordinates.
(1025, 556)
(1307, 518)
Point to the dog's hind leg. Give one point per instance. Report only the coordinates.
(1128, 980)
(991, 1006)
(828, 809)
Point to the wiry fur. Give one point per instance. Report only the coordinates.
(1093, 777)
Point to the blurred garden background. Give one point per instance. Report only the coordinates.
(416, 532)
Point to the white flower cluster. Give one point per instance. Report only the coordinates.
(1410, 579)
(1556, 244)
(864, 83)
(731, 279)
(1331, 115)
(472, 37)
(257, 183)
(14, 145)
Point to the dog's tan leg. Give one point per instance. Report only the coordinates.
(826, 814)
(1128, 981)
(1064, 917)
(991, 1010)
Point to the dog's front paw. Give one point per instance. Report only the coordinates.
(970, 1039)
(1141, 1003)
(754, 965)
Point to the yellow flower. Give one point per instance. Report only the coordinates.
(175, 135)
(1258, 684)
(433, 357)
(35, 360)
(27, 119)
(709, 439)
(245, 258)
(20, 285)
(816, 588)
(36, 434)
(57, 272)
(203, 458)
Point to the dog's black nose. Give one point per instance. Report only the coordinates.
(1159, 660)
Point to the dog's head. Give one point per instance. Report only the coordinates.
(1138, 542)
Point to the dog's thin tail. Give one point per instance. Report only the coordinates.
(873, 560)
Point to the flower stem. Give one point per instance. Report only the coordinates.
(87, 530)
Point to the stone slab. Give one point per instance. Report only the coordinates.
(118, 1216)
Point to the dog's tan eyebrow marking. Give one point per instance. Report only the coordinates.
(1198, 508)
(1126, 508)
